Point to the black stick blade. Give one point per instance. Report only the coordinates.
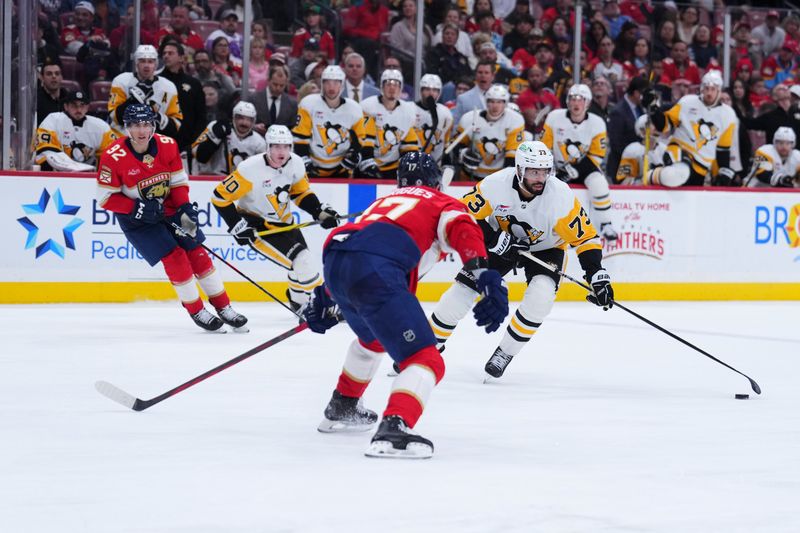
(116, 394)
(755, 386)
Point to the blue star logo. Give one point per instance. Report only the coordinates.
(39, 208)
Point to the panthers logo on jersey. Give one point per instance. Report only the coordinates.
(154, 187)
(519, 229)
(333, 136)
(704, 132)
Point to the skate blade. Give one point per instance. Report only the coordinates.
(335, 426)
(384, 450)
(216, 331)
(242, 329)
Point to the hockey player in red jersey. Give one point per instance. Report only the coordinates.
(141, 179)
(371, 271)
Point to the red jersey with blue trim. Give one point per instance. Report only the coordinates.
(124, 176)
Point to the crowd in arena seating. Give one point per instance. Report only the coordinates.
(628, 46)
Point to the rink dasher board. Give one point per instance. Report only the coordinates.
(685, 244)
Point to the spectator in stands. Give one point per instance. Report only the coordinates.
(664, 39)
(222, 61)
(502, 74)
(205, 72)
(237, 6)
(625, 43)
(314, 71)
(597, 31)
(784, 114)
(604, 64)
(563, 53)
(622, 122)
(74, 36)
(482, 6)
(475, 97)
(445, 60)
(678, 65)
(47, 43)
(260, 30)
(370, 20)
(307, 88)
(313, 30)
(517, 39)
(639, 65)
(50, 93)
(702, 51)
(613, 18)
(561, 79)
(211, 91)
(486, 24)
(463, 44)
(536, 102)
(759, 94)
(403, 35)
(274, 105)
(641, 11)
(545, 58)
(297, 67)
(743, 70)
(258, 71)
(740, 98)
(781, 67)
(688, 23)
(190, 93)
(522, 9)
(180, 28)
(355, 85)
(769, 33)
(601, 98)
(745, 145)
(198, 9)
(791, 25)
(227, 29)
(680, 88)
(742, 45)
(562, 8)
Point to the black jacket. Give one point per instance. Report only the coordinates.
(192, 102)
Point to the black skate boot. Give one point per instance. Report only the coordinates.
(235, 320)
(497, 363)
(395, 440)
(608, 232)
(207, 321)
(346, 414)
(294, 305)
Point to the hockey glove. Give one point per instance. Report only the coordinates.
(492, 309)
(603, 294)
(328, 218)
(321, 312)
(469, 159)
(136, 94)
(220, 129)
(163, 121)
(351, 159)
(724, 177)
(781, 180)
(243, 233)
(188, 218)
(650, 101)
(507, 246)
(567, 173)
(368, 167)
(148, 211)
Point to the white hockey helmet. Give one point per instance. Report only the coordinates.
(712, 77)
(145, 51)
(430, 81)
(277, 134)
(580, 90)
(333, 72)
(785, 134)
(391, 74)
(641, 125)
(498, 92)
(244, 109)
(533, 154)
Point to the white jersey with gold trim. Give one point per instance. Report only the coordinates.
(767, 162)
(391, 132)
(571, 142)
(164, 99)
(439, 137)
(631, 163)
(493, 140)
(239, 149)
(81, 141)
(326, 130)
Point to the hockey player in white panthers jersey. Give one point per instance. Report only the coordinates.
(143, 86)
(579, 142)
(631, 164)
(703, 131)
(776, 164)
(223, 145)
(329, 134)
(71, 140)
(389, 125)
(256, 197)
(434, 120)
(525, 208)
(494, 134)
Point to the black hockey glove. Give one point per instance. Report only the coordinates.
(328, 217)
(507, 246)
(321, 314)
(492, 308)
(603, 294)
(781, 180)
(221, 129)
(351, 159)
(469, 159)
(650, 101)
(567, 173)
(724, 177)
(188, 218)
(137, 95)
(243, 233)
(148, 211)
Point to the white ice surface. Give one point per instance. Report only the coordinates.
(602, 424)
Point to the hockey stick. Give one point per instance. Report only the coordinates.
(303, 225)
(434, 122)
(455, 142)
(118, 395)
(756, 388)
(232, 267)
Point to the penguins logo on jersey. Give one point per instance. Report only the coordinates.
(390, 137)
(572, 151)
(489, 149)
(704, 132)
(154, 187)
(333, 136)
(519, 229)
(237, 156)
(280, 199)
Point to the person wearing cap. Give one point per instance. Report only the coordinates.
(224, 143)
(504, 71)
(237, 6)
(50, 93)
(313, 30)
(313, 71)
(180, 29)
(273, 104)
(770, 33)
(71, 140)
(329, 134)
(781, 67)
(355, 84)
(144, 86)
(434, 122)
(297, 65)
(227, 29)
(622, 122)
(445, 60)
(74, 36)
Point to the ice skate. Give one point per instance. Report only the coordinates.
(346, 415)
(497, 363)
(208, 322)
(235, 320)
(396, 441)
(608, 232)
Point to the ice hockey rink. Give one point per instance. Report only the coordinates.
(602, 424)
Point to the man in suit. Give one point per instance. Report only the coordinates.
(274, 105)
(355, 86)
(474, 98)
(622, 122)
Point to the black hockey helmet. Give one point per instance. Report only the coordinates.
(136, 113)
(418, 168)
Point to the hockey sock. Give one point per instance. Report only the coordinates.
(454, 305)
(304, 277)
(208, 277)
(412, 387)
(597, 185)
(360, 365)
(536, 305)
(179, 271)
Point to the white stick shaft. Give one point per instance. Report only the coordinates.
(457, 140)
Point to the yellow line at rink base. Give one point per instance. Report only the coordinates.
(111, 292)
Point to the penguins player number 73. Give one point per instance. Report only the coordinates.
(576, 225)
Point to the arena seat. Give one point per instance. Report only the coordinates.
(71, 85)
(99, 90)
(205, 27)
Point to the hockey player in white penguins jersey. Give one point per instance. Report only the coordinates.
(525, 207)
(776, 164)
(579, 142)
(631, 163)
(494, 135)
(389, 124)
(329, 134)
(223, 145)
(71, 140)
(256, 196)
(434, 123)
